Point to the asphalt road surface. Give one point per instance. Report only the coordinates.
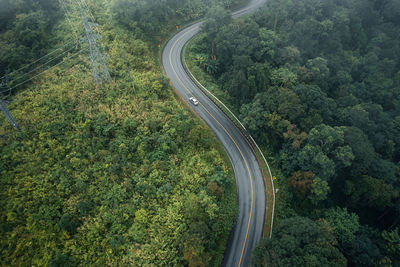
(250, 186)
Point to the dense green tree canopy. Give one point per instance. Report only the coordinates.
(299, 241)
(316, 82)
(344, 223)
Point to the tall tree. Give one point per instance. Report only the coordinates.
(344, 223)
(299, 241)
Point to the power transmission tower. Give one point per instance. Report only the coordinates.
(100, 70)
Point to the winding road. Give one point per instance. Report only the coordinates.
(249, 180)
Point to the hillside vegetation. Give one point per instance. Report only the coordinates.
(317, 83)
(112, 175)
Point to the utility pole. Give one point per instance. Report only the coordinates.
(10, 118)
(3, 104)
(100, 70)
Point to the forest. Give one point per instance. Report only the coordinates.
(115, 174)
(317, 83)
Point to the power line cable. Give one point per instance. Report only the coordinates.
(84, 3)
(100, 69)
(60, 55)
(52, 52)
(67, 15)
(99, 66)
(88, 9)
(73, 55)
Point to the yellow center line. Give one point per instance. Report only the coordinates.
(230, 136)
(170, 59)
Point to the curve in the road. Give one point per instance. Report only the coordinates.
(250, 185)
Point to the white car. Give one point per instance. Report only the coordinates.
(194, 101)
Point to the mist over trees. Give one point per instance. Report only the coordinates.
(122, 174)
(151, 16)
(25, 31)
(318, 83)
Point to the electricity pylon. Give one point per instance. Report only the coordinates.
(100, 70)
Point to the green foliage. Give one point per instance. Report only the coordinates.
(319, 190)
(392, 246)
(25, 28)
(118, 174)
(344, 223)
(325, 153)
(148, 18)
(314, 159)
(216, 18)
(299, 241)
(364, 250)
(68, 223)
(317, 82)
(62, 260)
(371, 193)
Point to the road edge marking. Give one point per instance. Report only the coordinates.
(245, 161)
